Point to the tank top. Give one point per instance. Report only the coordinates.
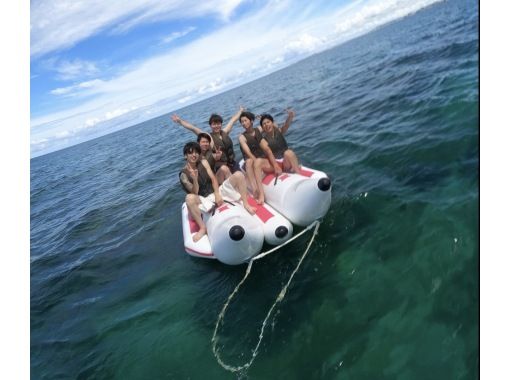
(208, 156)
(253, 143)
(204, 181)
(226, 145)
(277, 142)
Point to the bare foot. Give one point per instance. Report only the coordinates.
(199, 235)
(251, 210)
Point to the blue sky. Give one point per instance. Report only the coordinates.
(98, 66)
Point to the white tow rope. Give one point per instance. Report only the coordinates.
(214, 339)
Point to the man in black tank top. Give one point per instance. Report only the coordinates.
(202, 190)
(221, 142)
(258, 156)
(274, 136)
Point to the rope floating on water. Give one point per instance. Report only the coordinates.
(280, 297)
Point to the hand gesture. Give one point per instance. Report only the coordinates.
(193, 173)
(290, 112)
(176, 119)
(277, 170)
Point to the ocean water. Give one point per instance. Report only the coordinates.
(390, 287)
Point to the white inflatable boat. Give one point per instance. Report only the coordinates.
(234, 236)
(301, 198)
(277, 229)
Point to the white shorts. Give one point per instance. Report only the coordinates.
(227, 192)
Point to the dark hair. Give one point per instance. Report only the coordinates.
(265, 116)
(247, 114)
(203, 135)
(215, 118)
(191, 147)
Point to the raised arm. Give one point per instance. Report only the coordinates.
(290, 117)
(217, 196)
(185, 124)
(233, 119)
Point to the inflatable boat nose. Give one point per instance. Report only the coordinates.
(281, 232)
(236, 232)
(324, 184)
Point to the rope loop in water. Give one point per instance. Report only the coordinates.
(279, 298)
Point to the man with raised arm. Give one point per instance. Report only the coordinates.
(274, 137)
(258, 157)
(225, 163)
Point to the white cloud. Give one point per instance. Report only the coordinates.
(76, 68)
(61, 90)
(60, 24)
(186, 99)
(91, 122)
(176, 35)
(39, 141)
(91, 83)
(212, 86)
(304, 43)
(76, 88)
(115, 113)
(62, 134)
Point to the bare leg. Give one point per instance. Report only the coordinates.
(250, 174)
(222, 174)
(290, 161)
(192, 201)
(226, 171)
(220, 177)
(261, 165)
(239, 183)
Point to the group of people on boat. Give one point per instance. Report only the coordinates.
(212, 175)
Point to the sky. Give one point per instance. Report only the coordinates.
(99, 66)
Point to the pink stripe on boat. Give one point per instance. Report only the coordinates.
(189, 250)
(223, 208)
(270, 177)
(193, 226)
(306, 173)
(267, 179)
(263, 213)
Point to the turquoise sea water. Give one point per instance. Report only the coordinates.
(390, 288)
